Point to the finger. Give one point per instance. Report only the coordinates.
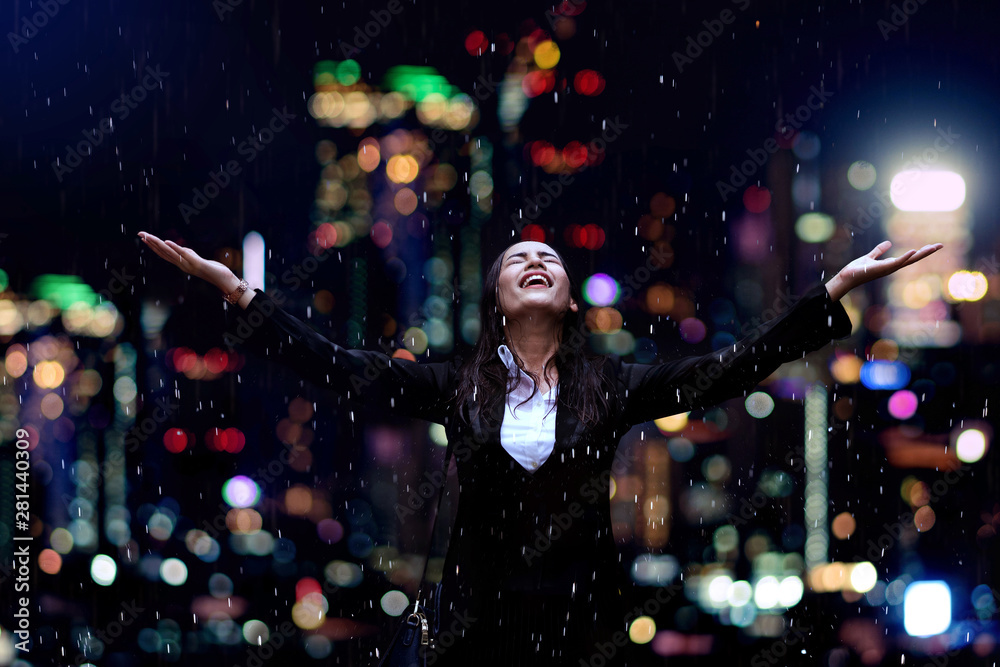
(176, 248)
(879, 249)
(163, 253)
(188, 256)
(163, 250)
(904, 259)
(924, 252)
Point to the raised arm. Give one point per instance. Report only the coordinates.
(653, 391)
(259, 324)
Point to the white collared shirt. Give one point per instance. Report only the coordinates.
(528, 432)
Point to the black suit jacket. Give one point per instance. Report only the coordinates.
(546, 532)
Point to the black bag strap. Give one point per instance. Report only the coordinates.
(437, 511)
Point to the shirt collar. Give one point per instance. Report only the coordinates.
(508, 359)
(525, 382)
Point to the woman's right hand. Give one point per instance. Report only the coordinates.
(189, 261)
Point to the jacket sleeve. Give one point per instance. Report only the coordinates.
(651, 391)
(374, 379)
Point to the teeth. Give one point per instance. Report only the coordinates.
(536, 279)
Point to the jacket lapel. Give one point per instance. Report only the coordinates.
(568, 427)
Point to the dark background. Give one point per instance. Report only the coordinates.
(889, 92)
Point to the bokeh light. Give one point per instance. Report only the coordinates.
(600, 289)
(970, 446)
(884, 375)
(405, 201)
(642, 630)
(903, 404)
(547, 54)
(241, 491)
(756, 199)
(175, 440)
(103, 570)
(861, 175)
(476, 43)
(814, 227)
(173, 571)
(920, 190)
(759, 404)
(394, 603)
(692, 330)
(843, 525)
(967, 286)
(863, 577)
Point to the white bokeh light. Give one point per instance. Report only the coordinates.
(916, 190)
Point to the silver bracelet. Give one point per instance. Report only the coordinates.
(238, 292)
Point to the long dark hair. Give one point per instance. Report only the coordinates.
(484, 380)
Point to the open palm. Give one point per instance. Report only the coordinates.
(869, 267)
(188, 260)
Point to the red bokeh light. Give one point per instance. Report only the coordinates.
(326, 235)
(756, 199)
(175, 440)
(216, 360)
(538, 82)
(588, 82)
(595, 237)
(231, 440)
(574, 154)
(213, 439)
(542, 153)
(567, 8)
(381, 234)
(533, 232)
(183, 359)
(476, 43)
(589, 236)
(504, 44)
(305, 586)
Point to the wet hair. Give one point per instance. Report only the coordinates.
(484, 380)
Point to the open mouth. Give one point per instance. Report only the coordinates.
(535, 280)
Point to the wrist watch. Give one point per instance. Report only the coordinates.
(235, 295)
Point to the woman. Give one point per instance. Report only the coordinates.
(532, 574)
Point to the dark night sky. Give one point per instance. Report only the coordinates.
(225, 76)
(225, 68)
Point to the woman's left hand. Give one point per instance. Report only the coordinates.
(869, 267)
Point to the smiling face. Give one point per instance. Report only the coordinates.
(533, 282)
